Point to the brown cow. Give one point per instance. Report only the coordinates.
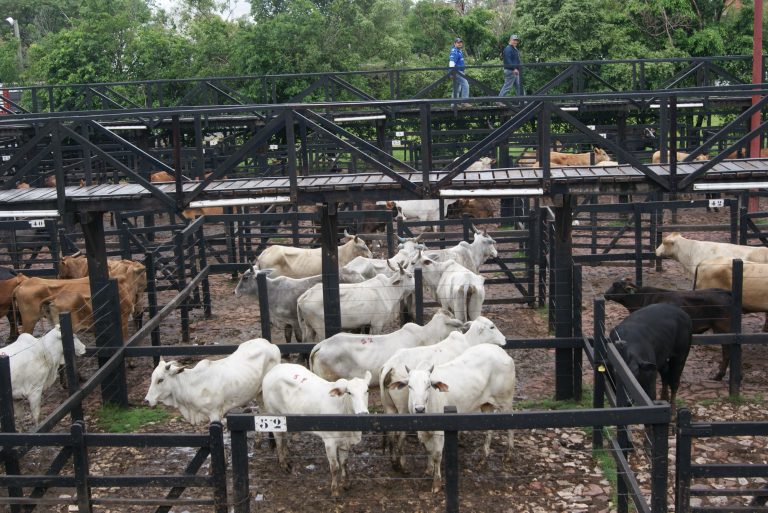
(76, 266)
(160, 177)
(479, 208)
(77, 304)
(50, 181)
(742, 154)
(656, 157)
(9, 280)
(576, 159)
(193, 213)
(30, 295)
(23, 185)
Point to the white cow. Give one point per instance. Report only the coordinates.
(352, 355)
(690, 252)
(211, 388)
(455, 287)
(293, 389)
(282, 294)
(480, 331)
(481, 379)
(471, 256)
(303, 262)
(420, 210)
(34, 364)
(375, 303)
(408, 250)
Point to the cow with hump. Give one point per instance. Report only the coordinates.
(709, 309)
(376, 303)
(352, 354)
(481, 379)
(34, 364)
(293, 389)
(456, 288)
(655, 338)
(283, 293)
(471, 256)
(210, 389)
(303, 262)
(479, 331)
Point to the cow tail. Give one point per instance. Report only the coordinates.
(696, 275)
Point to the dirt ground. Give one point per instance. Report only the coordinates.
(553, 470)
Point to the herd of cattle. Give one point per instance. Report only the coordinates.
(456, 358)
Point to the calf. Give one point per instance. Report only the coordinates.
(707, 308)
(655, 338)
(34, 366)
(292, 389)
(595, 156)
(481, 379)
(352, 355)
(211, 388)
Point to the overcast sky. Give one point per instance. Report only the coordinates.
(238, 7)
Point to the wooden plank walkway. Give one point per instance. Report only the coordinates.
(577, 180)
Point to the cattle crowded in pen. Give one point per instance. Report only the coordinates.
(373, 292)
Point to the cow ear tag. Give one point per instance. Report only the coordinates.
(601, 368)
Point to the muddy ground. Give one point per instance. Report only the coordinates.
(552, 470)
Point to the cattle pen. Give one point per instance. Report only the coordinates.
(296, 174)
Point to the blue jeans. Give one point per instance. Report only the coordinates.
(460, 87)
(511, 79)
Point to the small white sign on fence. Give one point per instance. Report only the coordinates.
(396, 143)
(270, 423)
(716, 203)
(40, 223)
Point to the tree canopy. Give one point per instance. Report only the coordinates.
(69, 41)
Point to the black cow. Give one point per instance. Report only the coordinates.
(709, 309)
(655, 338)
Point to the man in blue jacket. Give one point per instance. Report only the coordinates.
(512, 76)
(456, 61)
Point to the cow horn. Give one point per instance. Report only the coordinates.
(475, 228)
(346, 234)
(389, 264)
(76, 253)
(401, 239)
(418, 237)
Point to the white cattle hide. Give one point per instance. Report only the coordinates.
(690, 253)
(375, 303)
(455, 287)
(292, 389)
(283, 293)
(34, 364)
(212, 388)
(352, 355)
(471, 256)
(481, 331)
(303, 262)
(481, 379)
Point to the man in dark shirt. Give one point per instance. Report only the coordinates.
(512, 76)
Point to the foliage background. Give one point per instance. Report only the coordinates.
(75, 41)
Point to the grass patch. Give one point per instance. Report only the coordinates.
(113, 419)
(607, 465)
(552, 404)
(738, 400)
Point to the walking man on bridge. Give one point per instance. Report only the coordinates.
(512, 76)
(456, 63)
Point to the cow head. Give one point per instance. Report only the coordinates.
(354, 393)
(160, 387)
(668, 246)
(420, 383)
(625, 286)
(600, 155)
(486, 242)
(643, 370)
(483, 331)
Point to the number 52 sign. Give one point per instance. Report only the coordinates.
(270, 423)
